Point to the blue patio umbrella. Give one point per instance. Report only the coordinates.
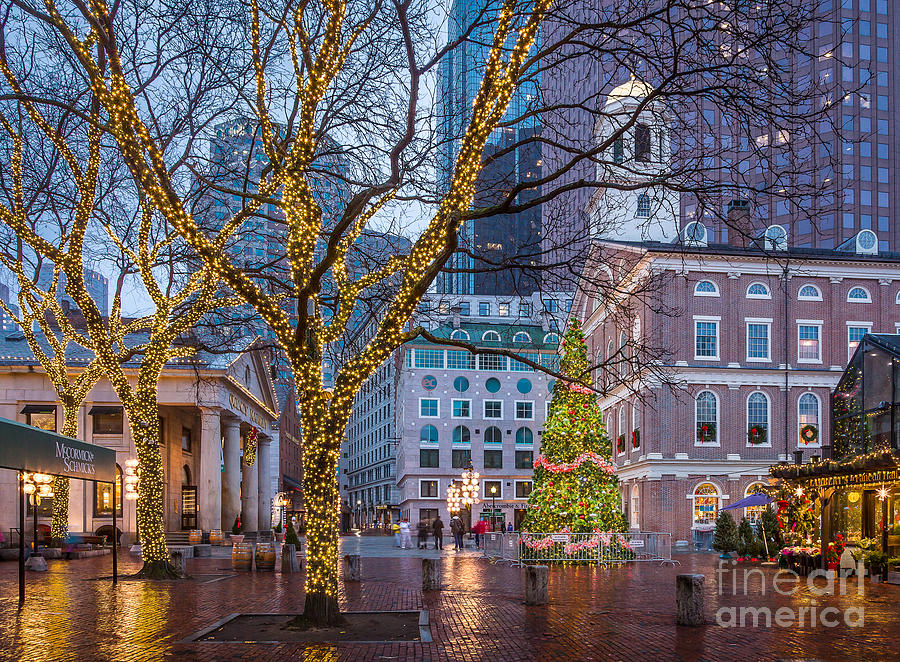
(755, 499)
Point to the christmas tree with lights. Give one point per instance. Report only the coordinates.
(575, 488)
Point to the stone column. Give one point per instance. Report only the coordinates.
(264, 492)
(250, 496)
(231, 478)
(209, 482)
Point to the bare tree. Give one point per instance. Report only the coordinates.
(262, 115)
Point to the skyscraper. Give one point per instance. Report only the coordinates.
(97, 286)
(510, 158)
(822, 184)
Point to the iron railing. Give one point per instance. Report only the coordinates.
(600, 548)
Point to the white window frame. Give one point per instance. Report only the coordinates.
(717, 320)
(489, 336)
(759, 321)
(768, 443)
(748, 493)
(818, 296)
(800, 424)
(718, 418)
(706, 294)
(518, 338)
(856, 325)
(621, 424)
(484, 483)
(516, 484)
(459, 334)
(551, 338)
(817, 323)
(718, 496)
(767, 295)
(430, 480)
(438, 400)
(516, 410)
(453, 411)
(868, 298)
(484, 405)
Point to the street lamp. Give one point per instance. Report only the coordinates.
(36, 486)
(358, 515)
(493, 507)
(463, 493)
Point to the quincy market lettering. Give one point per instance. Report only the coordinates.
(862, 478)
(76, 460)
(239, 405)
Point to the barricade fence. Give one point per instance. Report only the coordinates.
(603, 548)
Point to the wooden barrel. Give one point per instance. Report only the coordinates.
(242, 556)
(195, 537)
(216, 537)
(265, 556)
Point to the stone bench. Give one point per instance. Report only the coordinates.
(202, 550)
(187, 551)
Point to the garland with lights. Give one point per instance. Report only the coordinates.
(250, 447)
(575, 486)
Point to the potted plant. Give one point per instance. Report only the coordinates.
(876, 562)
(237, 527)
(279, 532)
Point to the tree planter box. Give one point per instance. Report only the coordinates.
(893, 577)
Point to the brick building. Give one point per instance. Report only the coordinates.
(719, 361)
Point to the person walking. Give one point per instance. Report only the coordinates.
(422, 534)
(405, 539)
(457, 529)
(396, 529)
(479, 530)
(437, 527)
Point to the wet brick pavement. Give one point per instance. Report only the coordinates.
(595, 614)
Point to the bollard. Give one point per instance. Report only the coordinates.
(176, 560)
(537, 584)
(351, 568)
(431, 574)
(689, 600)
(289, 559)
(37, 563)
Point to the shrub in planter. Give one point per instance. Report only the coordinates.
(725, 537)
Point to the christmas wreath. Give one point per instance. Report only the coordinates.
(757, 434)
(809, 434)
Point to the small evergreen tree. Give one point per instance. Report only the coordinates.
(575, 486)
(770, 533)
(746, 539)
(725, 538)
(291, 537)
(238, 526)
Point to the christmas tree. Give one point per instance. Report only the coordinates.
(575, 488)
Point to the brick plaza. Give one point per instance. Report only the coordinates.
(594, 614)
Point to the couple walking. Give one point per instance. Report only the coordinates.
(403, 538)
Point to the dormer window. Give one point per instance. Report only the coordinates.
(775, 238)
(459, 334)
(490, 336)
(521, 336)
(642, 142)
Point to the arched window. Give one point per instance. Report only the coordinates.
(809, 293)
(776, 238)
(706, 415)
(461, 435)
(754, 513)
(459, 334)
(898, 298)
(493, 436)
(706, 288)
(859, 295)
(186, 475)
(635, 507)
(607, 373)
(758, 418)
(808, 419)
(490, 336)
(641, 142)
(620, 440)
(758, 291)
(643, 206)
(524, 436)
(635, 425)
(706, 503)
(636, 329)
(521, 336)
(428, 434)
(551, 339)
(623, 352)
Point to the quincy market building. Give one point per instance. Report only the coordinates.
(208, 407)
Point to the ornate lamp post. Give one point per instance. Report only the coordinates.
(36, 486)
(493, 507)
(464, 492)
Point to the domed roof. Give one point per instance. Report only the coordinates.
(632, 88)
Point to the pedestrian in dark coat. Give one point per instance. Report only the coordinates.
(437, 527)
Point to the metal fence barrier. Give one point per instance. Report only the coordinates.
(601, 548)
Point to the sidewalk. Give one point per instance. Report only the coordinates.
(595, 614)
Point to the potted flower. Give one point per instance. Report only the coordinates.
(237, 527)
(279, 533)
(876, 562)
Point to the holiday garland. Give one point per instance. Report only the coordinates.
(590, 456)
(250, 448)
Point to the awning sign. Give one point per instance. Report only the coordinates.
(875, 476)
(27, 448)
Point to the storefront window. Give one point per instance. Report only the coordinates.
(706, 504)
(754, 513)
(103, 497)
(107, 420)
(43, 417)
(846, 515)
